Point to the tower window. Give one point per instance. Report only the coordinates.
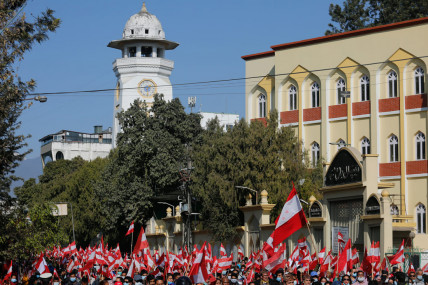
(341, 87)
(393, 148)
(132, 51)
(365, 88)
(146, 51)
(392, 84)
(419, 81)
(146, 31)
(132, 32)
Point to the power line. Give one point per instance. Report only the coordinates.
(222, 80)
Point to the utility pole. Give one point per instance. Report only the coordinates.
(187, 207)
(191, 101)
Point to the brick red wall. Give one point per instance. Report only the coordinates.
(337, 111)
(360, 108)
(312, 114)
(288, 117)
(416, 101)
(389, 104)
(417, 167)
(389, 169)
(263, 120)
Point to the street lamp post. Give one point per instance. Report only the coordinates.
(72, 217)
(41, 99)
(249, 189)
(172, 206)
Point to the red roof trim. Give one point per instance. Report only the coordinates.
(258, 55)
(351, 34)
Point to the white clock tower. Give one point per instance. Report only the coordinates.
(143, 69)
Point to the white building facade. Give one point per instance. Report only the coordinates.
(70, 144)
(143, 70)
(226, 120)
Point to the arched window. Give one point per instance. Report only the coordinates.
(365, 146)
(394, 210)
(393, 148)
(341, 143)
(315, 153)
(419, 81)
(293, 97)
(365, 88)
(262, 106)
(421, 219)
(420, 146)
(392, 84)
(315, 91)
(341, 87)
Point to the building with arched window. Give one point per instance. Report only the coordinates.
(364, 90)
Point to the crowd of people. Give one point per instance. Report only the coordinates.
(235, 275)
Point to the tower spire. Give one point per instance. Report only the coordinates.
(144, 9)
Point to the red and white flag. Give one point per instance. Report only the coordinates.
(340, 241)
(276, 261)
(268, 247)
(399, 256)
(321, 256)
(9, 272)
(345, 258)
(142, 242)
(41, 265)
(411, 269)
(240, 252)
(199, 273)
(425, 269)
(290, 220)
(131, 229)
(374, 254)
(222, 250)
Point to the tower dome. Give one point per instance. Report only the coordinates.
(143, 25)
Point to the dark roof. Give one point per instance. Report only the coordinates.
(338, 36)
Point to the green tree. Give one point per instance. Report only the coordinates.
(252, 155)
(71, 181)
(150, 149)
(26, 233)
(358, 14)
(17, 37)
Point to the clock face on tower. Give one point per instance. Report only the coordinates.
(147, 88)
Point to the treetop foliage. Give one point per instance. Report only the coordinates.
(359, 14)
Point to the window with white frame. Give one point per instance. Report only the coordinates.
(315, 153)
(365, 146)
(393, 148)
(262, 106)
(340, 87)
(421, 219)
(420, 146)
(315, 92)
(341, 143)
(365, 88)
(293, 97)
(392, 84)
(419, 81)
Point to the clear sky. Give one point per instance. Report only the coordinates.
(213, 35)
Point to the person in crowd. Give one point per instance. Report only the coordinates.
(323, 280)
(225, 281)
(159, 281)
(418, 278)
(128, 280)
(72, 279)
(170, 279)
(346, 279)
(361, 278)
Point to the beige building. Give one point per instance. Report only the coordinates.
(364, 89)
